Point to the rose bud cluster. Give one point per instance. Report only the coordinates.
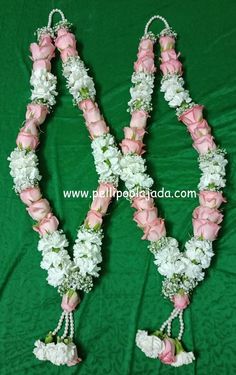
(39, 209)
(207, 217)
(99, 206)
(147, 219)
(94, 120)
(198, 129)
(66, 43)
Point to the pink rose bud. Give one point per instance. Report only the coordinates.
(38, 112)
(94, 219)
(68, 52)
(75, 359)
(106, 189)
(145, 53)
(42, 64)
(134, 133)
(211, 199)
(143, 203)
(146, 217)
(205, 229)
(169, 55)
(30, 195)
(146, 44)
(192, 115)
(38, 210)
(139, 119)
(167, 355)
(26, 140)
(30, 127)
(145, 64)
(98, 128)
(70, 300)
(65, 39)
(206, 213)
(171, 67)
(40, 52)
(48, 224)
(86, 105)
(155, 231)
(103, 196)
(199, 129)
(92, 114)
(181, 301)
(204, 144)
(130, 146)
(45, 40)
(167, 42)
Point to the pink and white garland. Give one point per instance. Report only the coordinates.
(181, 270)
(66, 274)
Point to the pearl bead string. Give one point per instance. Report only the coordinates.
(59, 323)
(71, 325)
(175, 313)
(51, 15)
(66, 326)
(181, 322)
(157, 17)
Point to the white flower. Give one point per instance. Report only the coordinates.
(87, 251)
(199, 251)
(78, 79)
(149, 344)
(54, 259)
(142, 90)
(44, 86)
(183, 358)
(171, 267)
(107, 158)
(56, 275)
(40, 350)
(24, 169)
(193, 271)
(55, 240)
(211, 178)
(175, 94)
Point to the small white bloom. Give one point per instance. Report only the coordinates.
(40, 350)
(183, 358)
(44, 86)
(55, 240)
(149, 344)
(23, 166)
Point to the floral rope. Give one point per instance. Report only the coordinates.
(181, 270)
(66, 274)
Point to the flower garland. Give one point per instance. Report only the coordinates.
(66, 274)
(182, 271)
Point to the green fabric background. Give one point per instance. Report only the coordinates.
(127, 295)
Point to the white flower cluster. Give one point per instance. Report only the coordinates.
(141, 92)
(87, 251)
(107, 158)
(44, 87)
(58, 354)
(23, 166)
(183, 358)
(133, 173)
(56, 259)
(175, 94)
(182, 270)
(80, 85)
(150, 345)
(212, 164)
(168, 258)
